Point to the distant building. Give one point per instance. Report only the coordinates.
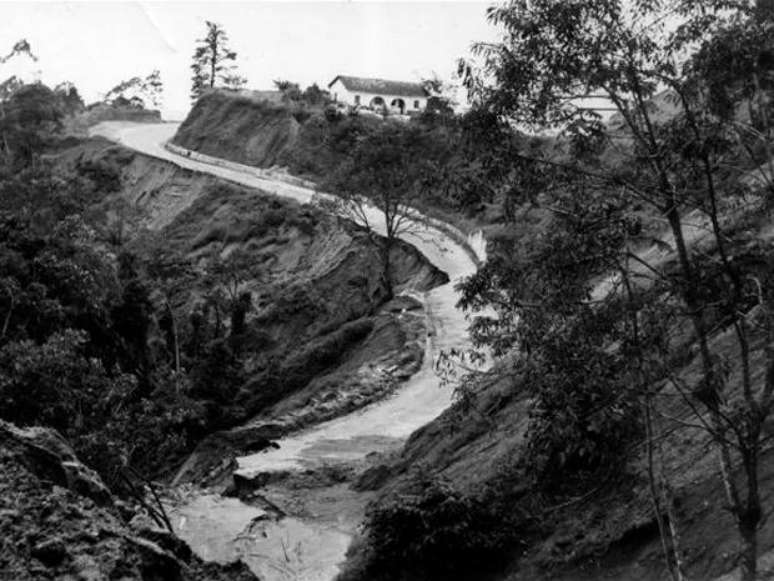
(396, 96)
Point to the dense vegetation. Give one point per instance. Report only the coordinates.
(432, 531)
(136, 347)
(79, 318)
(616, 348)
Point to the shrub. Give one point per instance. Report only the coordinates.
(323, 352)
(431, 532)
(105, 174)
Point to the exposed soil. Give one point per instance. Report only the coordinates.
(238, 128)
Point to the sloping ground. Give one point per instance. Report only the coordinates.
(149, 194)
(608, 531)
(238, 128)
(318, 307)
(318, 321)
(58, 521)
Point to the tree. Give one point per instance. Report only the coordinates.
(19, 48)
(133, 319)
(291, 92)
(69, 98)
(8, 86)
(438, 103)
(148, 89)
(30, 117)
(314, 95)
(169, 270)
(214, 63)
(377, 182)
(227, 278)
(557, 55)
(79, 329)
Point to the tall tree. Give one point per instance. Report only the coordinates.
(214, 63)
(30, 117)
(697, 153)
(19, 48)
(70, 99)
(379, 181)
(8, 86)
(290, 91)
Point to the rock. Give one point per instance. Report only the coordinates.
(50, 552)
(373, 478)
(46, 454)
(51, 528)
(87, 568)
(168, 542)
(126, 510)
(141, 521)
(156, 563)
(86, 482)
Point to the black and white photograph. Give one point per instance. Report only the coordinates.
(387, 290)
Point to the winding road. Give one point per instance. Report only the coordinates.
(217, 527)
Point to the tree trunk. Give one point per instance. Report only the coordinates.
(7, 320)
(213, 61)
(709, 395)
(752, 512)
(674, 529)
(174, 338)
(654, 495)
(387, 272)
(749, 564)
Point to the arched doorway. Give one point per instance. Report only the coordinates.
(398, 104)
(377, 103)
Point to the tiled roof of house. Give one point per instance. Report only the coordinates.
(381, 86)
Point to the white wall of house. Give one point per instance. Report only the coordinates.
(341, 94)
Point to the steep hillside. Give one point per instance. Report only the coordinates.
(311, 142)
(607, 532)
(322, 337)
(470, 462)
(239, 129)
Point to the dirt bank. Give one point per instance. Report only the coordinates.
(238, 128)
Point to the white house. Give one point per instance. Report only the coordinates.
(397, 96)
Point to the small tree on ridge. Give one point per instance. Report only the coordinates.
(214, 63)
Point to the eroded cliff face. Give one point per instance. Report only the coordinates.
(59, 521)
(238, 128)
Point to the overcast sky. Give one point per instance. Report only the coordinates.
(97, 45)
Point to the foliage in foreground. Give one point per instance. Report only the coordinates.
(430, 531)
(686, 143)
